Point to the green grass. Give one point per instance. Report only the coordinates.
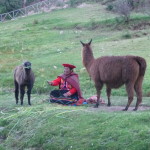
(51, 126)
(55, 38)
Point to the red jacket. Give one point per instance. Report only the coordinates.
(62, 85)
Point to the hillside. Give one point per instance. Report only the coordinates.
(50, 39)
(56, 35)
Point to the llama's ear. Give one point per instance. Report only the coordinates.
(82, 43)
(90, 42)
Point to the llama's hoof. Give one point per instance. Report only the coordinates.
(135, 109)
(124, 109)
(108, 105)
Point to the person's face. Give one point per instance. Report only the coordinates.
(67, 70)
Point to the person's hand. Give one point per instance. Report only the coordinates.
(65, 94)
(50, 82)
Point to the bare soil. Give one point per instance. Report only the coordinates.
(117, 108)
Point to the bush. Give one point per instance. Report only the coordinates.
(127, 36)
(109, 7)
(93, 24)
(10, 5)
(122, 7)
(145, 7)
(74, 3)
(7, 5)
(35, 22)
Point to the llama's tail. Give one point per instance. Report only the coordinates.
(142, 63)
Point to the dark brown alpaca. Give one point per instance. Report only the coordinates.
(23, 77)
(114, 71)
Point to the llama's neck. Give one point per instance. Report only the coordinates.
(27, 73)
(88, 58)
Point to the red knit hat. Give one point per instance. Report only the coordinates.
(69, 65)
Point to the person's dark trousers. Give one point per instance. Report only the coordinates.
(58, 97)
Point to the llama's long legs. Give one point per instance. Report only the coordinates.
(98, 90)
(22, 91)
(130, 91)
(16, 91)
(108, 91)
(139, 100)
(29, 93)
(98, 97)
(138, 90)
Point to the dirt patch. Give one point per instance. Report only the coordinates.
(116, 108)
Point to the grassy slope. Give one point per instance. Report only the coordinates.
(23, 40)
(49, 126)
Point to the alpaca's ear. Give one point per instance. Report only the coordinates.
(90, 42)
(82, 43)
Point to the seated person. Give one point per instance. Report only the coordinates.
(69, 88)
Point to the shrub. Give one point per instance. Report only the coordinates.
(109, 7)
(127, 36)
(93, 24)
(122, 7)
(35, 22)
(74, 3)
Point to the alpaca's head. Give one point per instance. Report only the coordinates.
(27, 65)
(87, 48)
(87, 54)
(86, 45)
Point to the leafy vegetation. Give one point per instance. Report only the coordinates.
(52, 126)
(7, 5)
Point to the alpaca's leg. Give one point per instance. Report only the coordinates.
(16, 91)
(22, 91)
(108, 91)
(138, 90)
(29, 93)
(98, 97)
(98, 90)
(130, 92)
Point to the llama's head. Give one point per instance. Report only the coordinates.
(87, 50)
(27, 65)
(87, 54)
(86, 44)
